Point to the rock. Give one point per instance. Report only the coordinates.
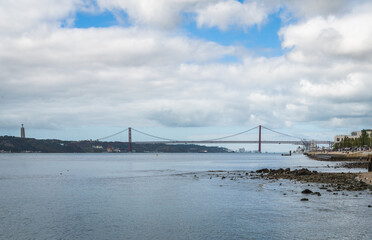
(304, 199)
(369, 205)
(317, 193)
(264, 170)
(223, 177)
(302, 172)
(307, 191)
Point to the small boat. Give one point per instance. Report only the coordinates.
(287, 154)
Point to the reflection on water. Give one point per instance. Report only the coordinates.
(169, 196)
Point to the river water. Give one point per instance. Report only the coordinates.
(161, 196)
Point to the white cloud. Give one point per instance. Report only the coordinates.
(314, 8)
(228, 13)
(345, 37)
(52, 76)
(18, 17)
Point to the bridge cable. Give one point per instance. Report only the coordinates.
(236, 134)
(215, 139)
(149, 135)
(99, 139)
(302, 139)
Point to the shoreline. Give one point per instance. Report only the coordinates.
(365, 177)
(326, 182)
(347, 160)
(339, 156)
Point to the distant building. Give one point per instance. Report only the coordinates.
(109, 148)
(313, 146)
(353, 135)
(117, 150)
(23, 134)
(242, 150)
(300, 150)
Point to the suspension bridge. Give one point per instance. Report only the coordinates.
(222, 140)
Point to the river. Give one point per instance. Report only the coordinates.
(161, 196)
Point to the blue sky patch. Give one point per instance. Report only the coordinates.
(263, 40)
(97, 20)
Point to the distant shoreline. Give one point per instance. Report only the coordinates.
(10, 144)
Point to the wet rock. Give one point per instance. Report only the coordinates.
(336, 181)
(307, 191)
(317, 193)
(304, 199)
(264, 170)
(303, 171)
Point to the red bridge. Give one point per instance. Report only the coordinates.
(222, 140)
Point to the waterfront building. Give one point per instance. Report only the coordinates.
(23, 135)
(109, 149)
(353, 135)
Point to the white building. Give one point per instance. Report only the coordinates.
(353, 135)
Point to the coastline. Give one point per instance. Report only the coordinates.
(365, 177)
(339, 156)
(347, 160)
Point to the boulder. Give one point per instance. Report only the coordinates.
(307, 191)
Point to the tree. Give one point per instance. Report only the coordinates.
(364, 138)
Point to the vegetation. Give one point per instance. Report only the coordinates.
(16, 144)
(364, 140)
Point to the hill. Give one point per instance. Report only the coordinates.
(17, 145)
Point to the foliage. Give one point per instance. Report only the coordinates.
(16, 144)
(365, 140)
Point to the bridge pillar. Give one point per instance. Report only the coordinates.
(129, 139)
(259, 138)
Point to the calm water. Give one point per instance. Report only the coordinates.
(145, 196)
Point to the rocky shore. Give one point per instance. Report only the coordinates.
(354, 164)
(329, 181)
(339, 156)
(326, 181)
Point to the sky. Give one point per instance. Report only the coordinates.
(184, 69)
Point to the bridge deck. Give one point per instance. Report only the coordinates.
(234, 142)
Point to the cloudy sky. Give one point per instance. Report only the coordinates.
(185, 69)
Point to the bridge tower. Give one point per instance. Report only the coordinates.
(129, 139)
(259, 138)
